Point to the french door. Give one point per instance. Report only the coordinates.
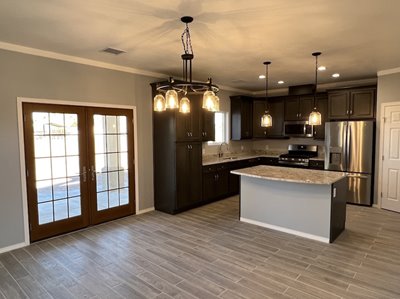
(80, 166)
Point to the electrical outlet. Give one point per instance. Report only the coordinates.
(266, 147)
(204, 151)
(242, 148)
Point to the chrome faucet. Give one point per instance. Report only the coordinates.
(220, 153)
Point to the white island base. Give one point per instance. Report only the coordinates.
(314, 209)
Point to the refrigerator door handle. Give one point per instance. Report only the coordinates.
(345, 146)
(357, 176)
(348, 145)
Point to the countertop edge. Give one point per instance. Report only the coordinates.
(309, 182)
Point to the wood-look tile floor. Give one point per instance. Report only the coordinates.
(208, 253)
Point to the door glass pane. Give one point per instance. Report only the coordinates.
(46, 213)
(42, 146)
(60, 188)
(60, 209)
(57, 146)
(56, 165)
(72, 145)
(111, 158)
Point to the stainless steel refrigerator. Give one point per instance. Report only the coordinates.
(349, 147)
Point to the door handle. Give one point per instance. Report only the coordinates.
(93, 171)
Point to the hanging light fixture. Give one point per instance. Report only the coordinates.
(171, 90)
(315, 117)
(266, 119)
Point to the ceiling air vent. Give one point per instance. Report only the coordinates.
(113, 51)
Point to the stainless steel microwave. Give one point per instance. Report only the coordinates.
(298, 129)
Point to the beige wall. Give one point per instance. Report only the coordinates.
(388, 91)
(30, 76)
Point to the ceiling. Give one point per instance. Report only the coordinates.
(230, 39)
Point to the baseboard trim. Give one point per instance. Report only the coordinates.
(13, 247)
(286, 230)
(145, 211)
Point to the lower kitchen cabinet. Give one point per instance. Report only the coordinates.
(215, 182)
(188, 174)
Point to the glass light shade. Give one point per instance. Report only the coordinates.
(216, 104)
(314, 118)
(159, 103)
(171, 98)
(266, 120)
(208, 100)
(184, 105)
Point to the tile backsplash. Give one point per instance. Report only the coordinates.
(262, 145)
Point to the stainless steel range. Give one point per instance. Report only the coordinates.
(298, 155)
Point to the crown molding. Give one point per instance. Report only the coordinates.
(321, 87)
(389, 71)
(79, 60)
(95, 63)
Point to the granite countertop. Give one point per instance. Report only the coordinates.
(295, 175)
(230, 157)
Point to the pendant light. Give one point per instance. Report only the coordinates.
(266, 119)
(159, 103)
(184, 105)
(315, 117)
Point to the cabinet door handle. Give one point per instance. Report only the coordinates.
(347, 112)
(205, 133)
(351, 112)
(187, 133)
(299, 114)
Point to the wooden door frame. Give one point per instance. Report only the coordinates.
(380, 141)
(20, 118)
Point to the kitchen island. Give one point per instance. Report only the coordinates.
(303, 202)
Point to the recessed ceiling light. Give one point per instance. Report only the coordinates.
(335, 75)
(281, 82)
(261, 77)
(322, 68)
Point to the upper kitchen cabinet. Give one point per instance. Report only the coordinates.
(188, 125)
(241, 117)
(298, 107)
(276, 109)
(352, 103)
(207, 125)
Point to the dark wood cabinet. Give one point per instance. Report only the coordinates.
(352, 104)
(215, 182)
(276, 109)
(270, 161)
(241, 117)
(177, 158)
(188, 174)
(298, 107)
(322, 107)
(188, 125)
(208, 126)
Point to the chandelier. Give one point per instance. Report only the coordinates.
(172, 88)
(315, 117)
